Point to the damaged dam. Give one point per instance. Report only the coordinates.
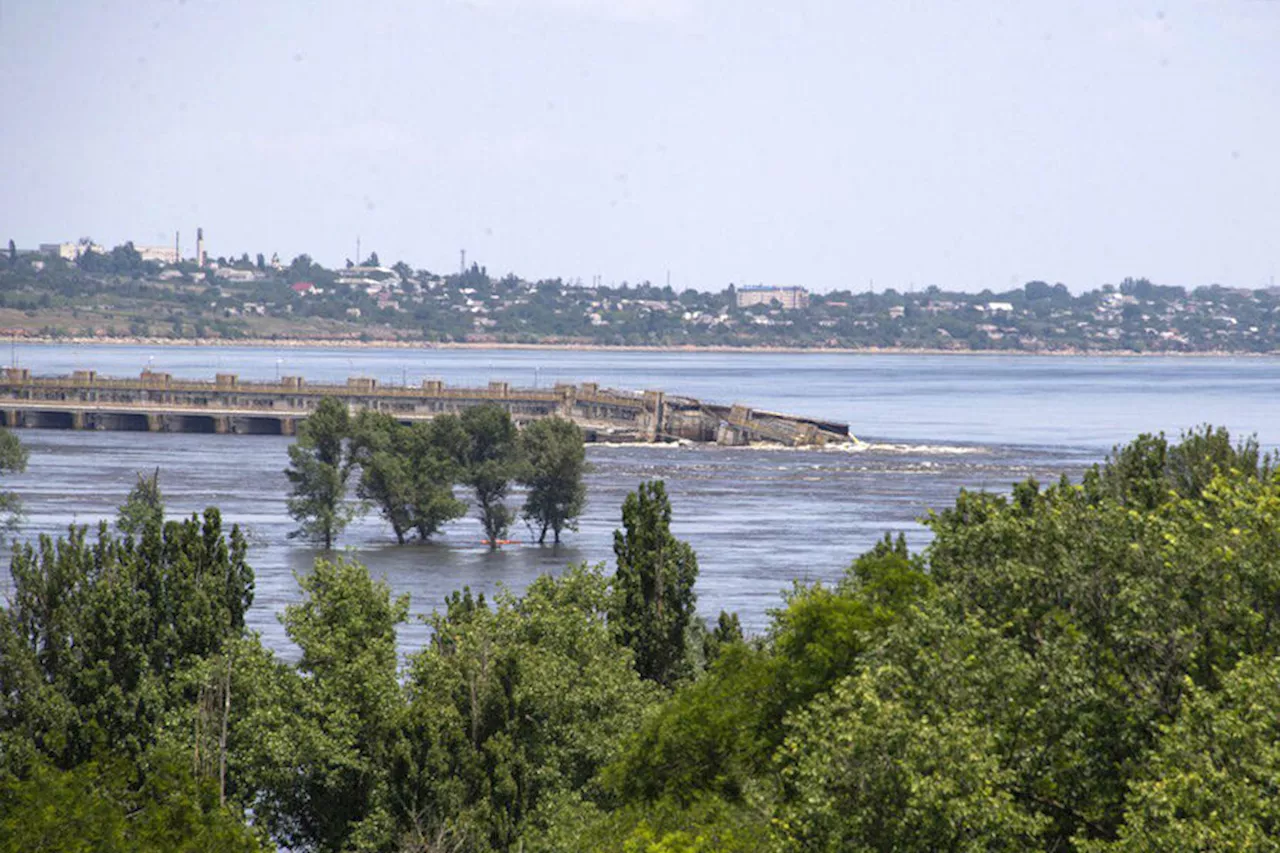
(156, 401)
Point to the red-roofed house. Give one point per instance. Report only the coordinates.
(303, 288)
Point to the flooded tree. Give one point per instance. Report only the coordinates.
(318, 470)
(143, 508)
(492, 463)
(556, 461)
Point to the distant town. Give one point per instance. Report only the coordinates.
(79, 289)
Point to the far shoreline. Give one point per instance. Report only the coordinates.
(326, 343)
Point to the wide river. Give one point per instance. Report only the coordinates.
(758, 519)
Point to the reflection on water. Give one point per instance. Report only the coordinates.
(758, 519)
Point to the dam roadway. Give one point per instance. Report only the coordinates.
(157, 402)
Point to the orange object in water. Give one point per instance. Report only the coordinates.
(501, 542)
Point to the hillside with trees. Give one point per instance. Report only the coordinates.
(116, 295)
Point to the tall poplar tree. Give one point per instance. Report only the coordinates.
(654, 604)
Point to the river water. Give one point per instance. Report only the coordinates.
(758, 519)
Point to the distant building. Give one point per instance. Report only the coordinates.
(789, 298)
(70, 251)
(159, 254)
(73, 251)
(303, 288)
(233, 274)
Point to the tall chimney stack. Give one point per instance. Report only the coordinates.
(199, 247)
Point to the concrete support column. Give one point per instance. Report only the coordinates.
(651, 420)
(155, 423)
(221, 424)
(77, 420)
(729, 436)
(288, 426)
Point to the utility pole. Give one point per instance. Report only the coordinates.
(359, 262)
(462, 269)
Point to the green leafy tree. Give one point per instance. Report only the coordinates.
(379, 445)
(320, 748)
(1108, 603)
(13, 460)
(863, 771)
(438, 450)
(1149, 470)
(408, 472)
(98, 639)
(653, 586)
(511, 709)
(717, 735)
(117, 807)
(143, 508)
(318, 471)
(1211, 781)
(555, 463)
(492, 461)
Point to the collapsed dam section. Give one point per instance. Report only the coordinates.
(158, 402)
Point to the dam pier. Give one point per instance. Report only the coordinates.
(156, 401)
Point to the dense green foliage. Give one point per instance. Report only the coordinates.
(408, 471)
(118, 807)
(320, 736)
(319, 468)
(106, 653)
(1086, 666)
(492, 462)
(143, 508)
(654, 603)
(511, 709)
(13, 459)
(556, 461)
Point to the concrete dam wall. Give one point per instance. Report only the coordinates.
(157, 402)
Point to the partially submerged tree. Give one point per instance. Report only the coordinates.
(408, 472)
(555, 462)
(318, 470)
(438, 450)
(143, 508)
(13, 460)
(492, 458)
(380, 448)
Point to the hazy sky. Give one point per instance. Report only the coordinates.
(966, 144)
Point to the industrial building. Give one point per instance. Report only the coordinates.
(788, 298)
